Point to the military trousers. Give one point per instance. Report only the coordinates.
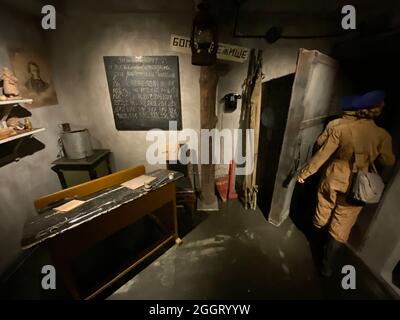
(335, 212)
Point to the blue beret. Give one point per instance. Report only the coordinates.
(365, 101)
(346, 103)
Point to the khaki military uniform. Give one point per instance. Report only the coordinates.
(337, 151)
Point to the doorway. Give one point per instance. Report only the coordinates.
(295, 110)
(363, 75)
(275, 102)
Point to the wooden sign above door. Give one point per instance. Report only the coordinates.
(225, 51)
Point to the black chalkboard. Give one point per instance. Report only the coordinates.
(144, 91)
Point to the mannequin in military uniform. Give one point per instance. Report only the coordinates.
(336, 150)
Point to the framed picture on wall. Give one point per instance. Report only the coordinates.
(35, 80)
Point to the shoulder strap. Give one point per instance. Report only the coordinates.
(354, 149)
(358, 151)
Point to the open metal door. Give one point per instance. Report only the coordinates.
(310, 106)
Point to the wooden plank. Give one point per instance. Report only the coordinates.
(21, 135)
(76, 240)
(16, 101)
(208, 120)
(91, 186)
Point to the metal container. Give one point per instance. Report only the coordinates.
(77, 144)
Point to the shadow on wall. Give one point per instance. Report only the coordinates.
(17, 149)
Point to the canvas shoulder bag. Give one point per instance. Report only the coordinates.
(367, 186)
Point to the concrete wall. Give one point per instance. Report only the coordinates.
(23, 181)
(82, 39)
(279, 59)
(381, 250)
(76, 50)
(78, 46)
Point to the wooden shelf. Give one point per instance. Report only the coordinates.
(16, 101)
(21, 135)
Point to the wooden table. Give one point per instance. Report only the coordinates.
(68, 238)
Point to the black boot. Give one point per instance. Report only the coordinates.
(318, 236)
(330, 249)
(317, 239)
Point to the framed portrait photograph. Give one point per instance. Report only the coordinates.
(34, 76)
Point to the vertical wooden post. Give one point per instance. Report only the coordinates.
(208, 120)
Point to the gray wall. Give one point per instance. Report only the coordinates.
(76, 50)
(23, 181)
(82, 38)
(78, 46)
(279, 59)
(381, 250)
